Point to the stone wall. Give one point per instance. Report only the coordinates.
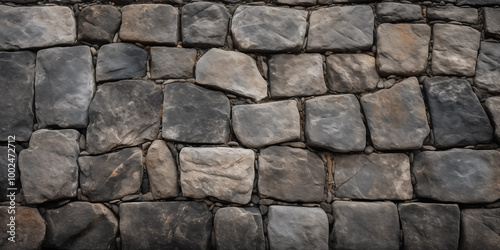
(304, 124)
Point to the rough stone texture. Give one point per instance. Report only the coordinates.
(150, 23)
(81, 225)
(480, 229)
(118, 61)
(237, 228)
(124, 113)
(258, 125)
(111, 176)
(488, 68)
(492, 22)
(29, 228)
(455, 50)
(48, 167)
(335, 122)
(396, 12)
(172, 62)
(162, 171)
(396, 117)
(231, 71)
(402, 49)
(458, 119)
(99, 23)
(193, 114)
(297, 228)
(365, 225)
(351, 73)
(204, 24)
(43, 27)
(185, 225)
(458, 175)
(267, 29)
(64, 86)
(225, 173)
(9, 160)
(347, 28)
(298, 2)
(478, 2)
(452, 13)
(17, 75)
(493, 106)
(296, 75)
(430, 226)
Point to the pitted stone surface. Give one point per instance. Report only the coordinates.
(162, 171)
(492, 22)
(29, 228)
(204, 24)
(99, 23)
(452, 13)
(118, 61)
(172, 62)
(488, 68)
(351, 73)
(392, 12)
(479, 228)
(493, 106)
(238, 227)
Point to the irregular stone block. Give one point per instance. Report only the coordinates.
(162, 171)
(492, 22)
(8, 178)
(488, 68)
(118, 61)
(172, 62)
(298, 2)
(493, 106)
(238, 227)
(478, 2)
(479, 229)
(452, 13)
(351, 73)
(99, 23)
(389, 12)
(204, 24)
(29, 228)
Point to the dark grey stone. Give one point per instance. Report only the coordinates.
(162, 171)
(480, 229)
(392, 12)
(297, 2)
(351, 73)
(478, 2)
(493, 106)
(172, 62)
(29, 228)
(99, 23)
(488, 68)
(452, 13)
(204, 24)
(237, 228)
(492, 22)
(118, 61)
(8, 179)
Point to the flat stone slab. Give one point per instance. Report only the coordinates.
(396, 117)
(488, 68)
(43, 27)
(193, 114)
(29, 228)
(458, 119)
(124, 113)
(493, 106)
(393, 12)
(258, 125)
(306, 228)
(118, 61)
(267, 29)
(162, 171)
(492, 22)
(161, 225)
(479, 228)
(351, 73)
(347, 28)
(237, 227)
(231, 71)
(447, 175)
(453, 13)
(99, 23)
(297, 2)
(224, 173)
(172, 62)
(335, 122)
(204, 24)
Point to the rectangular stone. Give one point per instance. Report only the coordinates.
(453, 13)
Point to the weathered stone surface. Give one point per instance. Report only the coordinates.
(8, 179)
(347, 28)
(42, 27)
(430, 226)
(453, 13)
(99, 23)
(231, 71)
(267, 29)
(458, 119)
(478, 2)
(479, 229)
(194, 114)
(64, 85)
(81, 225)
(17, 75)
(150, 23)
(296, 75)
(492, 22)
(391, 12)
(258, 125)
(172, 62)
(185, 225)
(204, 24)
(48, 167)
(458, 175)
(488, 68)
(335, 122)
(162, 171)
(402, 49)
(351, 73)
(237, 228)
(224, 173)
(124, 113)
(306, 228)
(396, 117)
(118, 61)
(297, 2)
(29, 228)
(365, 225)
(493, 106)
(111, 176)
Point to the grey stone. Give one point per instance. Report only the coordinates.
(172, 62)
(452, 13)
(488, 68)
(479, 229)
(396, 117)
(162, 171)
(193, 114)
(493, 106)
(458, 119)
(17, 75)
(49, 170)
(204, 24)
(118, 61)
(297, 2)
(478, 2)
(224, 173)
(492, 22)
(365, 225)
(237, 228)
(296, 75)
(458, 175)
(231, 71)
(351, 73)
(64, 86)
(291, 174)
(9, 173)
(267, 29)
(430, 226)
(81, 225)
(29, 228)
(392, 12)
(185, 225)
(124, 113)
(335, 122)
(297, 228)
(111, 176)
(347, 28)
(42, 27)
(99, 23)
(258, 125)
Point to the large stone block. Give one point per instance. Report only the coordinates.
(204, 24)
(118, 61)
(488, 68)
(172, 62)
(99, 23)
(478, 2)
(162, 171)
(492, 22)
(351, 73)
(453, 13)
(237, 228)
(29, 228)
(393, 12)
(479, 229)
